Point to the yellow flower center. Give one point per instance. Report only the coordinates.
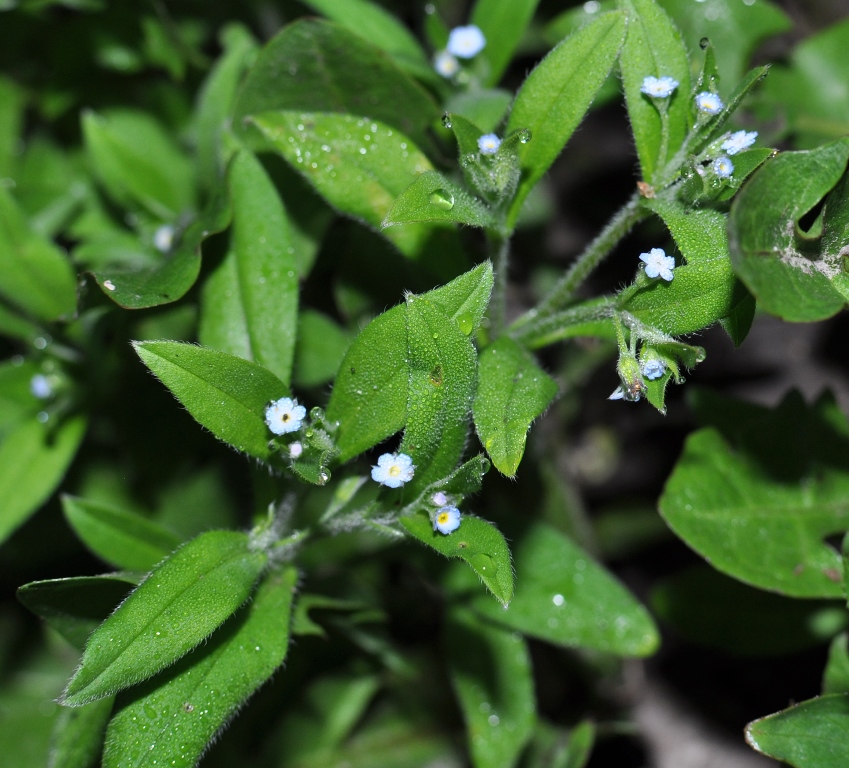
(394, 470)
(442, 518)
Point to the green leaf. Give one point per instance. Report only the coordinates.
(12, 104)
(74, 607)
(215, 101)
(152, 286)
(557, 94)
(380, 28)
(466, 297)
(326, 68)
(123, 539)
(137, 162)
(738, 619)
(476, 541)
(178, 606)
(441, 386)
(34, 274)
(564, 597)
(78, 735)
(512, 391)
(250, 302)
(738, 322)
(770, 482)
(836, 676)
(812, 734)
(491, 673)
(172, 718)
(433, 197)
(321, 346)
(33, 461)
(369, 398)
(503, 23)
(225, 394)
(357, 165)
(654, 47)
(796, 275)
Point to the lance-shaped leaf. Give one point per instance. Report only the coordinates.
(226, 394)
(653, 48)
(797, 275)
(169, 280)
(178, 606)
(321, 346)
(359, 166)
(250, 302)
(835, 678)
(759, 491)
(476, 541)
(465, 298)
(75, 606)
(77, 738)
(812, 734)
(512, 391)
(317, 66)
(491, 672)
(123, 539)
(172, 718)
(33, 461)
(557, 94)
(433, 197)
(503, 23)
(34, 274)
(564, 597)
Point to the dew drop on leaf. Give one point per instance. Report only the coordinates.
(442, 199)
(466, 323)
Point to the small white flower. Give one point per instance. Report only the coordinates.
(739, 141)
(488, 144)
(658, 264)
(163, 238)
(466, 42)
(439, 499)
(447, 519)
(393, 470)
(284, 415)
(295, 450)
(40, 387)
(708, 102)
(723, 167)
(653, 369)
(446, 64)
(659, 87)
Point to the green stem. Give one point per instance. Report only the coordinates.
(499, 252)
(621, 223)
(547, 330)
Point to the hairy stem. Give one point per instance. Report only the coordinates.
(499, 252)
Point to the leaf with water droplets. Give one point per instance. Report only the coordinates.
(249, 302)
(433, 197)
(359, 166)
(226, 394)
(557, 94)
(512, 391)
(491, 672)
(476, 541)
(183, 600)
(171, 719)
(565, 597)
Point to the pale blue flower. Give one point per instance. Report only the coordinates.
(446, 64)
(285, 415)
(439, 499)
(723, 167)
(466, 42)
(653, 369)
(659, 87)
(40, 387)
(658, 264)
(296, 450)
(447, 519)
(488, 144)
(393, 470)
(709, 103)
(163, 238)
(739, 141)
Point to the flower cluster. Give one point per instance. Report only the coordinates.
(463, 43)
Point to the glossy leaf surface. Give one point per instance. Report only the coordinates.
(512, 391)
(178, 606)
(491, 673)
(173, 717)
(433, 197)
(226, 394)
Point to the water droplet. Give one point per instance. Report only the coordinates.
(323, 477)
(704, 43)
(493, 720)
(525, 136)
(442, 199)
(466, 322)
(558, 600)
(446, 120)
(484, 565)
